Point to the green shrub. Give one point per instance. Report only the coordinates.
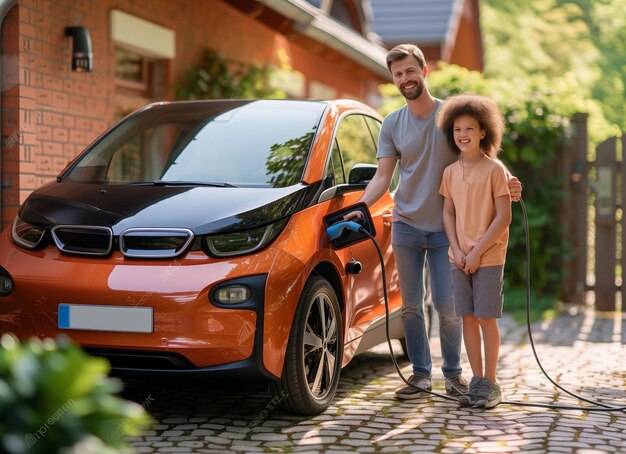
(56, 398)
(216, 77)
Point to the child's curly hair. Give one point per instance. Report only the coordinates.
(484, 110)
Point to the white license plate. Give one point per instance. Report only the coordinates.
(106, 318)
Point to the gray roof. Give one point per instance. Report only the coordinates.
(414, 21)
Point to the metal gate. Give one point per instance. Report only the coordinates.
(593, 220)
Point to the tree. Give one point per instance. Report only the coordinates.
(583, 39)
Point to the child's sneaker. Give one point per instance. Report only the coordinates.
(468, 399)
(489, 394)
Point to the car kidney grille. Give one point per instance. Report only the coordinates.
(83, 240)
(154, 242)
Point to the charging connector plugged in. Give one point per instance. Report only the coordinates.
(344, 233)
(336, 230)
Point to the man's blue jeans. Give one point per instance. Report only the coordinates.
(412, 247)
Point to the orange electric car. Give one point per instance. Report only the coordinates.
(190, 239)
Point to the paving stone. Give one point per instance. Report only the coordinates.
(217, 440)
(191, 444)
(246, 449)
(360, 435)
(213, 426)
(185, 427)
(357, 443)
(315, 440)
(200, 432)
(172, 433)
(270, 437)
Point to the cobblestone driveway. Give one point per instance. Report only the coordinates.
(584, 352)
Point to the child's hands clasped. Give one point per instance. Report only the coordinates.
(472, 262)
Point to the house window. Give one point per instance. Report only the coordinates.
(132, 70)
(142, 50)
(139, 76)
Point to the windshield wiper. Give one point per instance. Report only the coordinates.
(192, 183)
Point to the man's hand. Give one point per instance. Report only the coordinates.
(352, 215)
(515, 188)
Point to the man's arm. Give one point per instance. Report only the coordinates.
(380, 182)
(515, 186)
(377, 185)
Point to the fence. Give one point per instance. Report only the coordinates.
(593, 221)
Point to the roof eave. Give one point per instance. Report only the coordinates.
(311, 22)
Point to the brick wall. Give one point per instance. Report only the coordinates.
(12, 135)
(49, 113)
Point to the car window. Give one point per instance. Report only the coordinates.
(355, 142)
(375, 126)
(335, 166)
(142, 158)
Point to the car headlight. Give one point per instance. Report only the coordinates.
(25, 234)
(243, 242)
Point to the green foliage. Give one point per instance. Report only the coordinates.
(607, 24)
(582, 39)
(534, 37)
(218, 78)
(55, 398)
(542, 307)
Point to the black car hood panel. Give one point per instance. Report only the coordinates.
(204, 210)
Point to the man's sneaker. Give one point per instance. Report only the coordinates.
(410, 392)
(468, 399)
(489, 394)
(456, 386)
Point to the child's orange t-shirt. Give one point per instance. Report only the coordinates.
(473, 189)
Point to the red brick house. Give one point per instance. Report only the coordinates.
(141, 50)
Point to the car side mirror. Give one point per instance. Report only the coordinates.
(360, 175)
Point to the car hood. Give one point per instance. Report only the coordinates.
(204, 210)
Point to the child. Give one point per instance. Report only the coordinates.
(476, 218)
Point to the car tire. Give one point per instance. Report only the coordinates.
(304, 388)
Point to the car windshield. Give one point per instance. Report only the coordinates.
(262, 143)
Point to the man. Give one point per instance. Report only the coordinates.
(410, 136)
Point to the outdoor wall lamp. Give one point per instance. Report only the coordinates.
(82, 56)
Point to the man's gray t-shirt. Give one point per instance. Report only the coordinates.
(423, 153)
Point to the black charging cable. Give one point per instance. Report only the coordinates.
(597, 406)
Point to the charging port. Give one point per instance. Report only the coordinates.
(349, 236)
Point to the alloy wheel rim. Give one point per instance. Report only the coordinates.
(320, 346)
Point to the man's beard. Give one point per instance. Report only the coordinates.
(415, 93)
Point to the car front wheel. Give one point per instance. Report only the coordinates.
(314, 351)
